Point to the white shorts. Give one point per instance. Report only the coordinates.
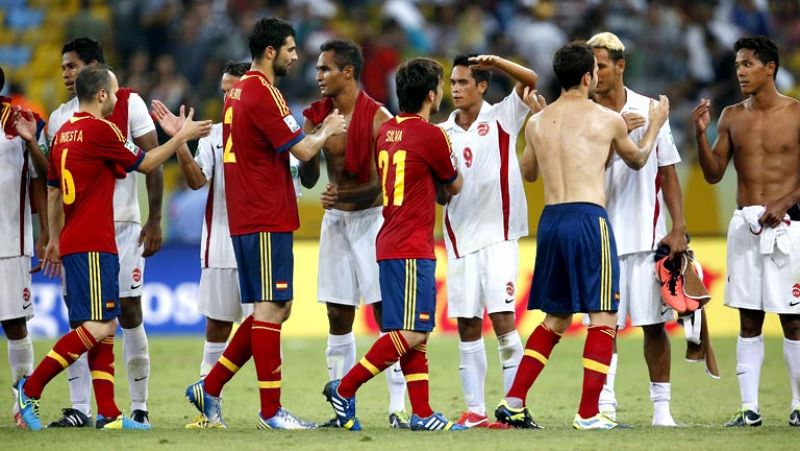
(348, 268)
(16, 300)
(639, 292)
(219, 296)
(483, 280)
(756, 281)
(131, 262)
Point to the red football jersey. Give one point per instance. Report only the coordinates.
(85, 152)
(258, 130)
(411, 155)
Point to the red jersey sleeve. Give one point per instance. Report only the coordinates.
(439, 156)
(275, 120)
(53, 178)
(113, 146)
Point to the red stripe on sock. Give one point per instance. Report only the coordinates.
(267, 357)
(237, 352)
(69, 347)
(599, 347)
(542, 341)
(384, 353)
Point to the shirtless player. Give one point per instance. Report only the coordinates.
(764, 131)
(576, 266)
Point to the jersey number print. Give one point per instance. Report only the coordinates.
(399, 162)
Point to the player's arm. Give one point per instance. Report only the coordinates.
(308, 147)
(636, 156)
(171, 123)
(673, 198)
(151, 234)
(55, 219)
(713, 160)
(528, 164)
(190, 130)
(521, 74)
(309, 170)
(25, 125)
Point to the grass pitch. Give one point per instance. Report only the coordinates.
(698, 403)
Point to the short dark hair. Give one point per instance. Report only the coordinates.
(571, 63)
(90, 80)
(2, 79)
(763, 48)
(268, 32)
(415, 79)
(236, 69)
(345, 53)
(87, 49)
(478, 74)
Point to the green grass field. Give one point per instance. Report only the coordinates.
(699, 403)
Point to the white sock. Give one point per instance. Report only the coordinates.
(340, 355)
(510, 348)
(791, 353)
(397, 388)
(212, 351)
(137, 362)
(473, 374)
(80, 384)
(20, 357)
(608, 397)
(660, 394)
(749, 357)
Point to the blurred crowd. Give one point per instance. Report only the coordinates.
(174, 50)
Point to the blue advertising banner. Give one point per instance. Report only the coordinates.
(169, 301)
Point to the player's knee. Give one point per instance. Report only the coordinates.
(791, 326)
(15, 329)
(654, 331)
(340, 319)
(469, 329)
(218, 331)
(130, 312)
(750, 323)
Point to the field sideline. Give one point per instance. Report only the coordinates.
(698, 402)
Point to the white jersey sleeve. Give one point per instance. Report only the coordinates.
(205, 156)
(666, 151)
(511, 111)
(294, 167)
(139, 121)
(216, 247)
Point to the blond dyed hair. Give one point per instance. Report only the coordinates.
(610, 42)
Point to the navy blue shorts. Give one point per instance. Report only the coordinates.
(266, 266)
(92, 286)
(577, 269)
(408, 292)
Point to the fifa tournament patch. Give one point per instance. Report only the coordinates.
(291, 123)
(281, 286)
(132, 148)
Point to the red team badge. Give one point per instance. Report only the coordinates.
(136, 275)
(510, 288)
(468, 157)
(796, 290)
(26, 294)
(483, 128)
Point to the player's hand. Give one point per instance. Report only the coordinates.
(24, 123)
(166, 120)
(483, 62)
(773, 214)
(633, 120)
(151, 238)
(676, 241)
(534, 101)
(659, 112)
(330, 196)
(335, 123)
(39, 249)
(52, 260)
(701, 116)
(191, 129)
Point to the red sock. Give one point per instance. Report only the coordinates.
(101, 363)
(66, 351)
(267, 357)
(236, 354)
(537, 351)
(596, 358)
(383, 353)
(415, 369)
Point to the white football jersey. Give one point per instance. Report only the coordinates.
(634, 200)
(126, 197)
(491, 206)
(16, 170)
(216, 247)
